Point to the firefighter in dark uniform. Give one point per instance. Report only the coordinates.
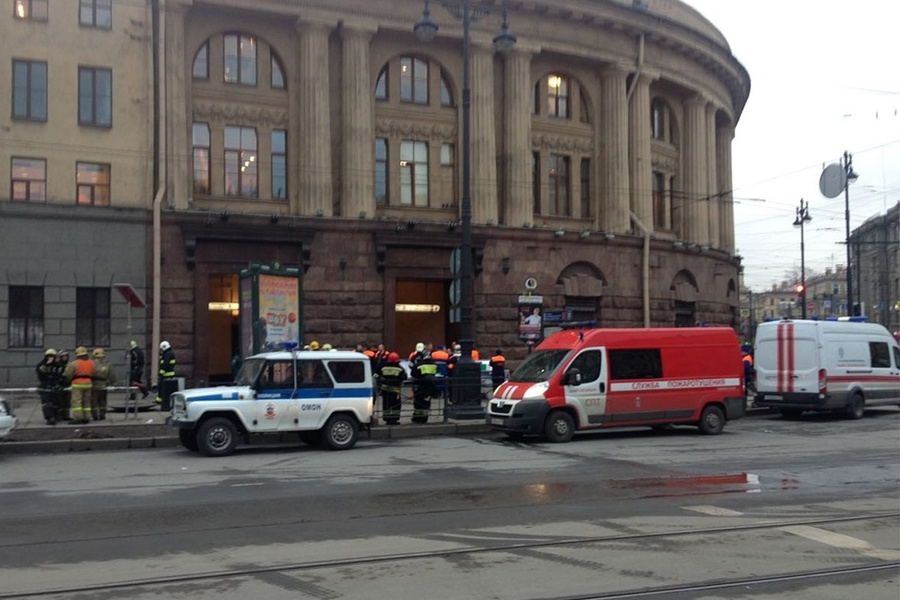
(49, 386)
(166, 371)
(136, 368)
(423, 371)
(64, 396)
(390, 378)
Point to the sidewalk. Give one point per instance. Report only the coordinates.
(147, 429)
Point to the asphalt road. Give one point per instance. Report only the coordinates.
(772, 508)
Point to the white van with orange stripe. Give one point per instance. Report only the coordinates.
(837, 366)
(578, 380)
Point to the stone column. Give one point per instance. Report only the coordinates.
(178, 111)
(518, 205)
(639, 151)
(357, 124)
(483, 136)
(712, 185)
(314, 176)
(695, 221)
(724, 136)
(614, 179)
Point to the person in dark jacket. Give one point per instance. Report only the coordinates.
(423, 372)
(498, 369)
(390, 378)
(166, 371)
(49, 386)
(136, 368)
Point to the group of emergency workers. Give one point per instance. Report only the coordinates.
(430, 370)
(76, 391)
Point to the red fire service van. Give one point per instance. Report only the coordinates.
(595, 378)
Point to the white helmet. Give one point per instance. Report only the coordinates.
(164, 346)
(420, 347)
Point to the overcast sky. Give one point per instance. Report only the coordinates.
(824, 79)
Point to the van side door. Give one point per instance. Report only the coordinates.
(885, 376)
(275, 393)
(588, 395)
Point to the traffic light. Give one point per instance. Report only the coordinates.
(801, 292)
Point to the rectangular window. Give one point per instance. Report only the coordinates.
(26, 316)
(413, 80)
(414, 173)
(585, 188)
(558, 97)
(240, 59)
(92, 180)
(29, 88)
(29, 179)
(201, 158)
(635, 364)
(94, 97)
(447, 153)
(96, 13)
(880, 355)
(536, 182)
(92, 316)
(241, 169)
(659, 200)
(279, 164)
(381, 171)
(31, 10)
(559, 185)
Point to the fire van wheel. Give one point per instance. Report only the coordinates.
(856, 408)
(188, 439)
(712, 421)
(217, 437)
(559, 427)
(341, 432)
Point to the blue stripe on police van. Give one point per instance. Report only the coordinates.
(303, 394)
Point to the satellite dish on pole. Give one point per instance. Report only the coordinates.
(832, 181)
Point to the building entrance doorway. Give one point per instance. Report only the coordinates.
(421, 314)
(224, 336)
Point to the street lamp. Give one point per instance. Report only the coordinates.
(802, 217)
(466, 390)
(849, 177)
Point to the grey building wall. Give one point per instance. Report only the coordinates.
(61, 249)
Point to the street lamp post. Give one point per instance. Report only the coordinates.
(802, 217)
(466, 389)
(849, 177)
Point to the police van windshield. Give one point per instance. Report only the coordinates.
(249, 371)
(539, 366)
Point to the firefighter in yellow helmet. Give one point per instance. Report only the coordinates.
(104, 375)
(80, 375)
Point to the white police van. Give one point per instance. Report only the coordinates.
(838, 366)
(323, 396)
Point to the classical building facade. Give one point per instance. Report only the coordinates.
(875, 249)
(329, 138)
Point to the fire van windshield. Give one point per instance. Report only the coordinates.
(540, 366)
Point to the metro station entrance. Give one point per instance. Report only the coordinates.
(224, 334)
(421, 314)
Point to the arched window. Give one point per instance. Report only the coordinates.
(446, 96)
(278, 81)
(381, 86)
(201, 62)
(558, 96)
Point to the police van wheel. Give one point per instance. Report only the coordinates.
(217, 437)
(341, 432)
(188, 439)
(559, 427)
(857, 407)
(712, 421)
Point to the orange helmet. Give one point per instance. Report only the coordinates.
(393, 357)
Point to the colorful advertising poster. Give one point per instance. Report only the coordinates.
(279, 309)
(530, 318)
(246, 307)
